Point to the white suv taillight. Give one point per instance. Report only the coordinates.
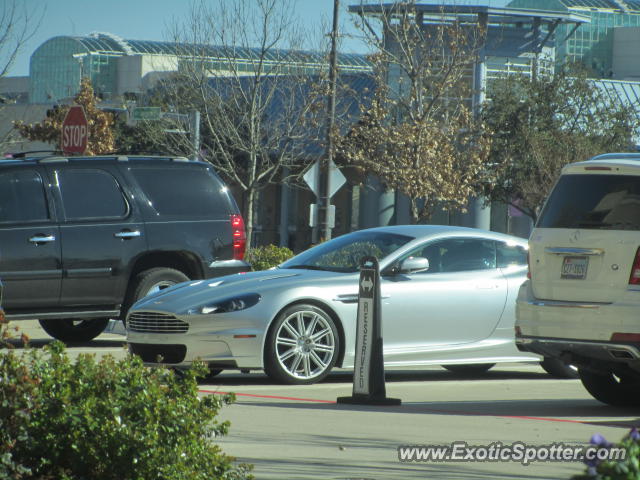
(239, 237)
(634, 278)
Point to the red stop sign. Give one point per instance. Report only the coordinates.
(75, 131)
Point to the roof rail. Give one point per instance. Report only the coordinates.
(33, 152)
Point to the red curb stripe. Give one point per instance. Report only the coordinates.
(450, 412)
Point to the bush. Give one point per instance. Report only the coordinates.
(106, 419)
(264, 258)
(627, 468)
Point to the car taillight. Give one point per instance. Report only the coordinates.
(239, 237)
(634, 278)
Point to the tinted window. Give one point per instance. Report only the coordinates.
(183, 192)
(460, 254)
(22, 197)
(608, 202)
(89, 193)
(509, 255)
(343, 254)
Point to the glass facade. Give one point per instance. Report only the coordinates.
(591, 43)
(59, 63)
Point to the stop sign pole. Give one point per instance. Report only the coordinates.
(75, 131)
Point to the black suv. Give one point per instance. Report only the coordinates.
(83, 238)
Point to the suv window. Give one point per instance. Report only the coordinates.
(607, 202)
(90, 193)
(22, 197)
(200, 192)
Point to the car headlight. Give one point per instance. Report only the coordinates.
(226, 305)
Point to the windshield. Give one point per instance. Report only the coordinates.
(605, 202)
(343, 254)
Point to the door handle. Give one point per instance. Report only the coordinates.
(486, 286)
(38, 239)
(126, 234)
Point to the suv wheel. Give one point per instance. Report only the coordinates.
(74, 330)
(611, 389)
(152, 281)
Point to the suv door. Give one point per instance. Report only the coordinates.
(30, 264)
(100, 234)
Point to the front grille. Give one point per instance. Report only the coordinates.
(159, 353)
(153, 322)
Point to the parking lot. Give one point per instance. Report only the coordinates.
(299, 432)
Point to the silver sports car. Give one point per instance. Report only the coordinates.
(448, 296)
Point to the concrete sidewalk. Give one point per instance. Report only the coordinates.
(307, 438)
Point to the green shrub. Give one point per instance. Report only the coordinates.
(264, 258)
(626, 468)
(106, 419)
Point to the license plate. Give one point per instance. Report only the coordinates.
(574, 268)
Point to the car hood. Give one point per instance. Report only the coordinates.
(199, 292)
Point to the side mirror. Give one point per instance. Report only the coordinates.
(413, 265)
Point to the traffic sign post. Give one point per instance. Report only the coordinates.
(368, 375)
(75, 131)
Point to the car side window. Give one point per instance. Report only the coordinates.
(90, 193)
(457, 254)
(463, 254)
(22, 197)
(510, 255)
(200, 192)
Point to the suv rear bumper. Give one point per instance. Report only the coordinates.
(593, 355)
(579, 333)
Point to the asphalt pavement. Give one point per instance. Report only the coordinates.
(299, 432)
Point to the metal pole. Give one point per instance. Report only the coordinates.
(325, 174)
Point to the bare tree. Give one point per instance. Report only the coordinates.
(258, 96)
(420, 135)
(17, 27)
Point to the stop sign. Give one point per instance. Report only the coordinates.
(75, 131)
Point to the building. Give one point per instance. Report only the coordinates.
(119, 68)
(611, 34)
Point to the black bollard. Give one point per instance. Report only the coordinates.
(368, 375)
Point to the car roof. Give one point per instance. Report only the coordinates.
(623, 162)
(419, 231)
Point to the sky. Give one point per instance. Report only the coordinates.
(152, 19)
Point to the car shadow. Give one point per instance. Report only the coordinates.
(393, 376)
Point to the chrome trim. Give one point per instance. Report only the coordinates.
(125, 235)
(42, 239)
(229, 264)
(573, 251)
(560, 304)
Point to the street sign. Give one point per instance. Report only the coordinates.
(146, 113)
(336, 178)
(313, 215)
(75, 131)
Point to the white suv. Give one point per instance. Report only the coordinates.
(582, 300)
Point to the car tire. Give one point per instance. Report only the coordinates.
(71, 330)
(151, 281)
(557, 368)
(610, 389)
(302, 345)
(472, 369)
